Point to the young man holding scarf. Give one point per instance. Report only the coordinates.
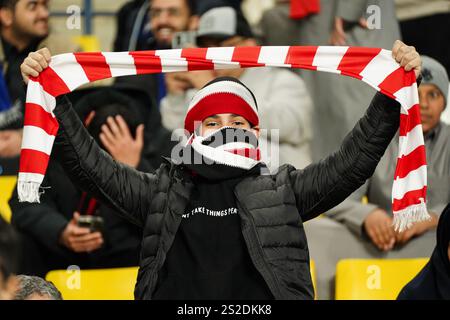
(217, 228)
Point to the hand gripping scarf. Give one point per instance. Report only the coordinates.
(374, 66)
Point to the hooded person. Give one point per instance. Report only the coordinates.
(236, 234)
(231, 150)
(433, 281)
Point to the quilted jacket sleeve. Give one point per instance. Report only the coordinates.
(323, 185)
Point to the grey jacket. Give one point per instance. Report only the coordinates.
(272, 208)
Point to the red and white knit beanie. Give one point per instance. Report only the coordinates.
(221, 95)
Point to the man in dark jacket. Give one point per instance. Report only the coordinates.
(214, 226)
(52, 238)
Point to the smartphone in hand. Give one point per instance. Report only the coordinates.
(93, 223)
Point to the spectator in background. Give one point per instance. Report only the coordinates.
(433, 281)
(167, 17)
(374, 219)
(52, 237)
(133, 27)
(35, 288)
(24, 28)
(432, 18)
(366, 228)
(9, 248)
(286, 31)
(284, 102)
(205, 5)
(343, 23)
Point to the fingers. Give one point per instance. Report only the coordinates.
(404, 237)
(89, 237)
(107, 142)
(46, 53)
(114, 128)
(363, 23)
(397, 45)
(388, 237)
(86, 243)
(123, 127)
(407, 60)
(78, 231)
(378, 226)
(407, 57)
(89, 118)
(339, 37)
(374, 237)
(39, 58)
(415, 63)
(107, 137)
(35, 63)
(140, 135)
(28, 71)
(75, 218)
(87, 246)
(339, 26)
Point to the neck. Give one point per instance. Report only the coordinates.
(17, 41)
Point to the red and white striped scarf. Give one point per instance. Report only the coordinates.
(374, 66)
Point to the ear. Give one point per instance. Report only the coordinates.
(193, 23)
(6, 17)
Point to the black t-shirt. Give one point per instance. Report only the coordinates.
(209, 258)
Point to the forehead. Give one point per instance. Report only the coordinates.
(33, 1)
(425, 87)
(168, 3)
(224, 116)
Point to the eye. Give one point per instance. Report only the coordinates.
(238, 123)
(434, 94)
(211, 124)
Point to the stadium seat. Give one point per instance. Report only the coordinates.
(374, 279)
(95, 284)
(7, 184)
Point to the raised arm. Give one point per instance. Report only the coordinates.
(321, 186)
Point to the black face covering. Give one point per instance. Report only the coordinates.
(433, 281)
(225, 153)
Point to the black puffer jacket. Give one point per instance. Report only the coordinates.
(272, 208)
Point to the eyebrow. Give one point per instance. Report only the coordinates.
(233, 115)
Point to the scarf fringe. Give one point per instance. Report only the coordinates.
(28, 191)
(404, 219)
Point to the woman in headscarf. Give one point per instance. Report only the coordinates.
(433, 281)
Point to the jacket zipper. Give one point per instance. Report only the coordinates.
(262, 266)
